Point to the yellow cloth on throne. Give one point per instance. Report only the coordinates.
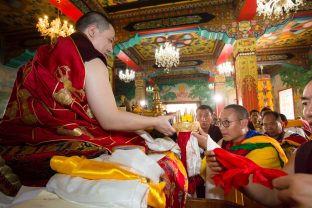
(95, 170)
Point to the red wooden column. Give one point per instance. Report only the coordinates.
(246, 73)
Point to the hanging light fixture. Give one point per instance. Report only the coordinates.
(226, 68)
(167, 56)
(261, 69)
(55, 28)
(127, 75)
(211, 86)
(149, 89)
(277, 8)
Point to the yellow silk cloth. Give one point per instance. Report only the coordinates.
(260, 157)
(95, 170)
(294, 123)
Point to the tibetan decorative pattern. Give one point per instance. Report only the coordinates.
(63, 97)
(66, 95)
(265, 94)
(293, 33)
(82, 6)
(275, 57)
(246, 72)
(169, 22)
(249, 92)
(247, 45)
(23, 18)
(195, 45)
(243, 29)
(220, 79)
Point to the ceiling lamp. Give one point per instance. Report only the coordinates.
(127, 75)
(149, 89)
(55, 28)
(211, 86)
(226, 68)
(167, 56)
(267, 8)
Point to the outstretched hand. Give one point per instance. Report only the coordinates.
(201, 137)
(163, 125)
(295, 189)
(212, 162)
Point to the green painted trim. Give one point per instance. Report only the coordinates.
(216, 36)
(128, 44)
(253, 146)
(159, 71)
(21, 59)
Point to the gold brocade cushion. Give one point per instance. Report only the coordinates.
(31, 163)
(63, 147)
(9, 182)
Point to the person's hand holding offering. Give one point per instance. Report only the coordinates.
(201, 137)
(163, 125)
(213, 163)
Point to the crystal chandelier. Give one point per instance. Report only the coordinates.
(226, 68)
(127, 75)
(267, 8)
(149, 89)
(211, 86)
(167, 56)
(55, 28)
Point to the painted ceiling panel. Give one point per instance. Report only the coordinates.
(293, 33)
(189, 44)
(23, 14)
(20, 17)
(117, 5)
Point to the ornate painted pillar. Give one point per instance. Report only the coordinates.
(110, 66)
(140, 85)
(265, 93)
(246, 73)
(220, 89)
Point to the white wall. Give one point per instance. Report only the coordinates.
(277, 85)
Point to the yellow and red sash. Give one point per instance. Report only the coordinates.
(260, 149)
(263, 142)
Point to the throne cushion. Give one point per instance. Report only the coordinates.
(31, 163)
(9, 182)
